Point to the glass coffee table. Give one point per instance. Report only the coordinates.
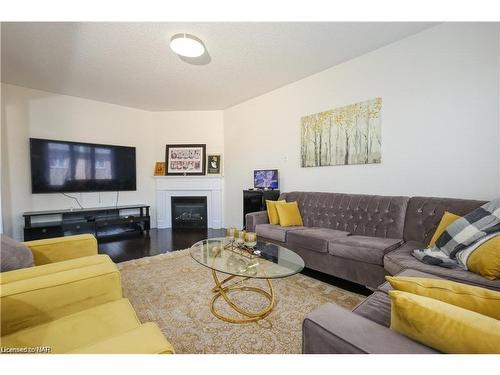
(262, 261)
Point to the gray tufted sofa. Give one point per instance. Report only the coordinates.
(362, 238)
(332, 329)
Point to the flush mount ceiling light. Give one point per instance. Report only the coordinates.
(187, 45)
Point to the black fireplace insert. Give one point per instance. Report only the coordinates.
(189, 212)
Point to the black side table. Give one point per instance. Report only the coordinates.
(255, 200)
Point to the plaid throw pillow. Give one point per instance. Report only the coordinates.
(470, 228)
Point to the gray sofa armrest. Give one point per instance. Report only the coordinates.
(254, 218)
(333, 329)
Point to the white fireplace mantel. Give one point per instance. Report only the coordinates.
(180, 186)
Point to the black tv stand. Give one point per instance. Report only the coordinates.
(102, 222)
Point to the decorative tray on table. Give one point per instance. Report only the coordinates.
(247, 249)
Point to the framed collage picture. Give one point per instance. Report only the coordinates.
(183, 159)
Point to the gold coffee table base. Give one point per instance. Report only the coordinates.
(223, 291)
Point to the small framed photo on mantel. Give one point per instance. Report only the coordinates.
(160, 168)
(185, 160)
(214, 164)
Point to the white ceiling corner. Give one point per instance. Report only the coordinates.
(131, 64)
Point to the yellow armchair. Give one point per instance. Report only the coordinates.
(57, 249)
(71, 301)
(36, 295)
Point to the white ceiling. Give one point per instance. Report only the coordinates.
(131, 64)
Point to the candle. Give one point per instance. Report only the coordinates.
(250, 236)
(213, 251)
(230, 232)
(240, 237)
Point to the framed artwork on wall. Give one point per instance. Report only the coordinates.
(343, 136)
(214, 164)
(183, 160)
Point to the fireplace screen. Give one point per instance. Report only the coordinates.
(189, 212)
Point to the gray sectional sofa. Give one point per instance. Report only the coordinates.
(362, 238)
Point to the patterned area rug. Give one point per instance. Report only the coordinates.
(175, 292)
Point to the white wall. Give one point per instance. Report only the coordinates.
(32, 113)
(1, 165)
(440, 124)
(1, 168)
(440, 121)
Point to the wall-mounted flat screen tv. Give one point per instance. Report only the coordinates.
(61, 166)
(265, 179)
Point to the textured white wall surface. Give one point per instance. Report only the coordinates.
(440, 128)
(131, 63)
(440, 121)
(32, 113)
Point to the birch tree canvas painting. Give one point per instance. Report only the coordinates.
(344, 135)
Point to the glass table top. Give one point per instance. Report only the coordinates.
(273, 262)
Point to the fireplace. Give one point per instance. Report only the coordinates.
(189, 212)
(167, 187)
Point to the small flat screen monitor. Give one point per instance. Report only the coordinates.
(265, 179)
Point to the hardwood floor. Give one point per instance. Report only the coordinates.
(134, 246)
(159, 241)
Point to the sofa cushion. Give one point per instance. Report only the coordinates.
(79, 329)
(52, 250)
(29, 298)
(315, 239)
(363, 248)
(385, 287)
(272, 212)
(377, 307)
(447, 219)
(145, 339)
(274, 232)
(14, 255)
(435, 323)
(289, 214)
(400, 259)
(473, 298)
(485, 260)
(71, 265)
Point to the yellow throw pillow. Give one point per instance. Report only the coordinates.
(485, 260)
(289, 214)
(272, 213)
(445, 327)
(480, 300)
(446, 220)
